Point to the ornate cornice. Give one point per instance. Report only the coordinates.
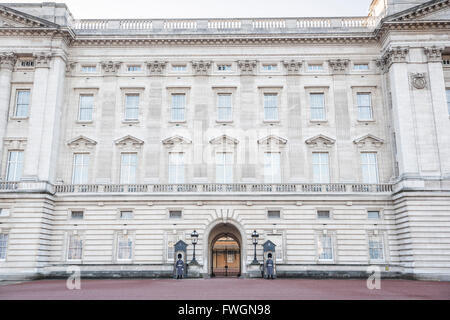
(293, 66)
(42, 59)
(339, 65)
(129, 142)
(420, 11)
(368, 140)
(156, 67)
(201, 67)
(434, 54)
(248, 67)
(8, 60)
(320, 140)
(393, 55)
(110, 68)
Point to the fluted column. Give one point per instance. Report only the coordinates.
(7, 62)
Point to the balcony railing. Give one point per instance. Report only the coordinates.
(225, 188)
(232, 25)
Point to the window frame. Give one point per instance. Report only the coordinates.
(381, 237)
(17, 176)
(277, 98)
(118, 247)
(219, 107)
(16, 103)
(324, 108)
(129, 166)
(4, 234)
(129, 93)
(370, 106)
(81, 239)
(273, 174)
(226, 166)
(321, 165)
(362, 164)
(92, 107)
(180, 167)
(83, 164)
(332, 243)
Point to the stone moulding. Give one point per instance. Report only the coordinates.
(368, 140)
(224, 139)
(272, 138)
(8, 60)
(418, 80)
(156, 67)
(201, 67)
(81, 142)
(176, 139)
(434, 54)
(320, 140)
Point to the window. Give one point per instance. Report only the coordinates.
(124, 247)
(361, 66)
(373, 215)
(131, 106)
(175, 214)
(15, 166)
(321, 171)
(171, 241)
(75, 249)
(270, 67)
(77, 215)
(448, 100)
(86, 107)
(273, 214)
(364, 106)
(376, 248)
(176, 167)
(317, 106)
(323, 214)
(26, 63)
(224, 111)
(80, 168)
(22, 103)
(128, 168)
(135, 68)
(4, 212)
(178, 107)
(272, 169)
(126, 214)
(270, 107)
(369, 167)
(224, 67)
(179, 67)
(315, 67)
(224, 167)
(325, 248)
(88, 69)
(3, 245)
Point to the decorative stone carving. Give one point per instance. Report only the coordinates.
(175, 140)
(393, 55)
(70, 66)
(247, 66)
(224, 139)
(42, 59)
(110, 67)
(8, 60)
(339, 65)
(129, 142)
(81, 142)
(368, 140)
(434, 54)
(15, 143)
(272, 139)
(293, 66)
(201, 67)
(418, 80)
(156, 67)
(320, 141)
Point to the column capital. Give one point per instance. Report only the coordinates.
(339, 65)
(394, 55)
(110, 68)
(434, 54)
(293, 66)
(156, 67)
(8, 60)
(42, 59)
(248, 67)
(201, 67)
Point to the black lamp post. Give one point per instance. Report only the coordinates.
(194, 239)
(255, 237)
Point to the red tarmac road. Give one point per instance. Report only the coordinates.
(225, 289)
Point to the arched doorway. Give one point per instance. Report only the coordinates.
(225, 251)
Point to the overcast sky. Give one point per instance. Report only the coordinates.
(86, 9)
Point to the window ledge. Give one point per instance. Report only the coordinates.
(84, 122)
(318, 121)
(364, 121)
(271, 121)
(130, 121)
(19, 118)
(224, 121)
(178, 122)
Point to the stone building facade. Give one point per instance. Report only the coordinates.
(328, 136)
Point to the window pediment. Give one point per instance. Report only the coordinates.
(176, 140)
(129, 142)
(272, 139)
(368, 140)
(15, 143)
(320, 141)
(81, 142)
(224, 139)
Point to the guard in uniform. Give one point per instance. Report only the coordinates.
(180, 267)
(269, 266)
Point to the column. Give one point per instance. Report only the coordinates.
(7, 62)
(439, 104)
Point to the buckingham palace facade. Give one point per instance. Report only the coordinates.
(330, 137)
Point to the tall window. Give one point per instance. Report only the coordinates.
(131, 106)
(270, 107)
(369, 167)
(321, 170)
(88, 69)
(376, 248)
(80, 168)
(364, 101)
(75, 249)
(224, 112)
(22, 103)
(224, 167)
(128, 168)
(3, 245)
(124, 247)
(171, 241)
(325, 247)
(15, 166)
(86, 106)
(178, 107)
(448, 100)
(272, 169)
(317, 106)
(176, 167)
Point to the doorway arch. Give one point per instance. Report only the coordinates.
(225, 250)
